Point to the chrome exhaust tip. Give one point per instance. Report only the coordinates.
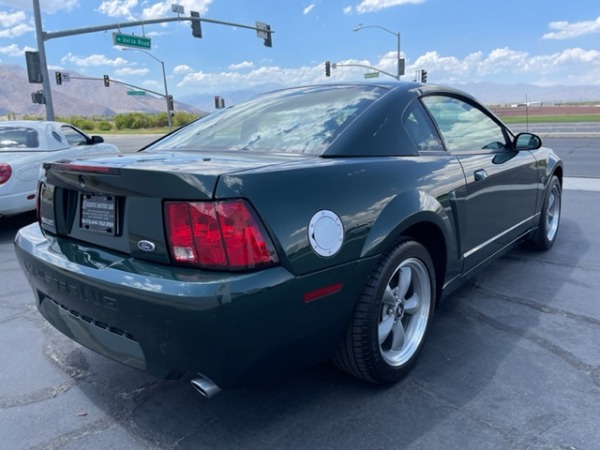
(205, 386)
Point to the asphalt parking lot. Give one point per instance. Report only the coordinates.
(512, 362)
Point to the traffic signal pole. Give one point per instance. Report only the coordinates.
(43, 64)
(263, 31)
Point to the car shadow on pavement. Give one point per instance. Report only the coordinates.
(10, 225)
(492, 375)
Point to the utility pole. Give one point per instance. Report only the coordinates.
(43, 64)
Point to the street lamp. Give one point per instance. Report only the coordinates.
(162, 64)
(400, 65)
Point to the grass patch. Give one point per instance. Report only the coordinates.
(552, 119)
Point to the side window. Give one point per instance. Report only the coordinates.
(74, 137)
(463, 126)
(18, 138)
(420, 129)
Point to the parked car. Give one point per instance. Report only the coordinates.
(306, 224)
(25, 145)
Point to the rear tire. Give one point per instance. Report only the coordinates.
(544, 237)
(391, 317)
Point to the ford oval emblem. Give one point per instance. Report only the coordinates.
(146, 246)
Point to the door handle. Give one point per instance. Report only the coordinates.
(480, 174)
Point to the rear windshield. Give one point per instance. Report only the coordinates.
(303, 120)
(18, 138)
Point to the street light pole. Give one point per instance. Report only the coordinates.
(162, 64)
(400, 68)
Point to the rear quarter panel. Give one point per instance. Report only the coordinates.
(548, 164)
(375, 198)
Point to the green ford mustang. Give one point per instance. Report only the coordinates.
(303, 225)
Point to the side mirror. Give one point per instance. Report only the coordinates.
(96, 140)
(527, 141)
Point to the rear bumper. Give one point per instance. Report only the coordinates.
(228, 327)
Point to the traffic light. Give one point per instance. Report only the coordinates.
(327, 69)
(263, 31)
(34, 71)
(38, 97)
(196, 29)
(267, 41)
(423, 76)
(106, 81)
(171, 103)
(58, 77)
(217, 102)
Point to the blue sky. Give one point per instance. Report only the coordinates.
(545, 42)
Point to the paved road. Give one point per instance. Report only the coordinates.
(574, 129)
(129, 143)
(513, 362)
(581, 155)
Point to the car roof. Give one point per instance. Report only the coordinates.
(367, 135)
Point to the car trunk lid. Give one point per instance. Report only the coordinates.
(117, 202)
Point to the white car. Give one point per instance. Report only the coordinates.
(25, 145)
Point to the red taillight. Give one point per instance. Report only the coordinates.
(5, 172)
(223, 235)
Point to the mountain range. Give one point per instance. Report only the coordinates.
(91, 98)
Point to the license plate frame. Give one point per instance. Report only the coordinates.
(98, 213)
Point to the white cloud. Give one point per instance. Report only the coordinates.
(309, 8)
(93, 60)
(181, 69)
(162, 9)
(506, 64)
(242, 65)
(11, 19)
(566, 30)
(14, 24)
(367, 6)
(118, 8)
(156, 11)
(129, 9)
(131, 71)
(15, 50)
(49, 6)
(502, 65)
(347, 10)
(53, 6)
(15, 31)
(215, 82)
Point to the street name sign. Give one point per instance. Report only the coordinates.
(129, 40)
(136, 92)
(372, 75)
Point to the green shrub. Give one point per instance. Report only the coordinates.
(87, 125)
(183, 118)
(105, 125)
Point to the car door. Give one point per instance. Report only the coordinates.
(500, 198)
